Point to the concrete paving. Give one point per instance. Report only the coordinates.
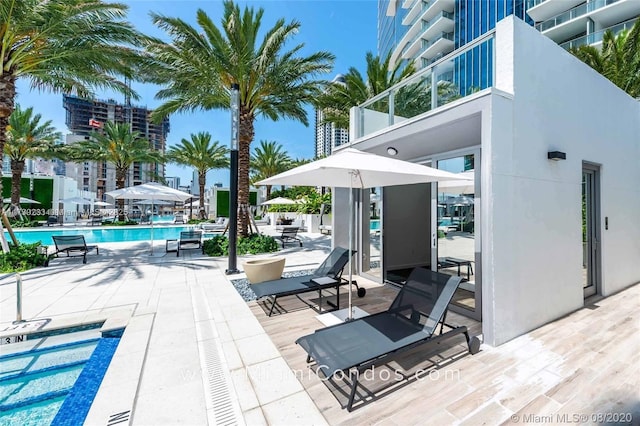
(192, 351)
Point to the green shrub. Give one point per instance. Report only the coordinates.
(441, 233)
(196, 221)
(257, 243)
(253, 244)
(122, 223)
(21, 258)
(216, 246)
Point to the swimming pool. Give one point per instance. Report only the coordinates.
(103, 234)
(374, 224)
(56, 384)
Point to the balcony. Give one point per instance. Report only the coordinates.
(573, 13)
(596, 37)
(417, 95)
(443, 42)
(443, 22)
(541, 10)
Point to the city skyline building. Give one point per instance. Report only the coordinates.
(327, 135)
(84, 116)
(425, 31)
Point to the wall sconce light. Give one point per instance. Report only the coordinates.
(556, 155)
(392, 151)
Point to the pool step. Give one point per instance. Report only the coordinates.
(40, 360)
(28, 389)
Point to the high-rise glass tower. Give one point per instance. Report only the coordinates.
(426, 30)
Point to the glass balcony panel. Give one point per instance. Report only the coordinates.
(412, 99)
(375, 115)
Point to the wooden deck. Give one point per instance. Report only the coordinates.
(583, 364)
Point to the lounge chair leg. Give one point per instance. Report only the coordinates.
(273, 304)
(84, 258)
(473, 343)
(352, 395)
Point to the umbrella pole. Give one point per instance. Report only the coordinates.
(151, 219)
(350, 317)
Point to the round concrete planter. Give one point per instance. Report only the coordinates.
(260, 270)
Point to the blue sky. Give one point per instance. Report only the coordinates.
(346, 28)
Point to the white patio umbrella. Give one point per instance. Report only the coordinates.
(458, 186)
(149, 191)
(351, 168)
(102, 203)
(196, 203)
(76, 200)
(279, 200)
(23, 200)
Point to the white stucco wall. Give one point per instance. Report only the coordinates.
(532, 253)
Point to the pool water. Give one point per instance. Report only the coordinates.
(103, 234)
(374, 224)
(55, 384)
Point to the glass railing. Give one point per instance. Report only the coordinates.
(534, 3)
(597, 36)
(459, 74)
(427, 44)
(425, 26)
(425, 5)
(573, 13)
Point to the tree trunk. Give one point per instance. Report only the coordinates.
(7, 105)
(202, 180)
(268, 191)
(121, 177)
(247, 133)
(17, 167)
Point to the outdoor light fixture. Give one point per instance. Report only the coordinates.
(392, 151)
(556, 155)
(234, 95)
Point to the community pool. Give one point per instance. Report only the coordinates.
(374, 224)
(54, 385)
(103, 234)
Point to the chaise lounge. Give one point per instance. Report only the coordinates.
(189, 240)
(71, 245)
(328, 275)
(347, 349)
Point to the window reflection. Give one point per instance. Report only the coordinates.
(456, 228)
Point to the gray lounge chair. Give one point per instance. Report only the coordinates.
(71, 245)
(289, 235)
(189, 240)
(349, 348)
(328, 275)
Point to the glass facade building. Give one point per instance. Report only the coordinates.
(390, 28)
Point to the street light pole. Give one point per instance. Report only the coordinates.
(233, 181)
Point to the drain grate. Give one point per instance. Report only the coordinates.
(218, 390)
(222, 404)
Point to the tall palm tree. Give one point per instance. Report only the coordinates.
(28, 137)
(201, 154)
(199, 66)
(340, 96)
(117, 145)
(63, 46)
(618, 59)
(268, 160)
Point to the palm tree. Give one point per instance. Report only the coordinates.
(268, 160)
(27, 137)
(117, 145)
(63, 46)
(199, 66)
(202, 155)
(618, 59)
(341, 95)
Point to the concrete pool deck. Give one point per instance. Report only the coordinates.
(192, 351)
(195, 353)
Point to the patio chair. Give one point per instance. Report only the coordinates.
(328, 275)
(290, 235)
(347, 349)
(71, 245)
(52, 220)
(189, 240)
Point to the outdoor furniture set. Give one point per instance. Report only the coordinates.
(346, 350)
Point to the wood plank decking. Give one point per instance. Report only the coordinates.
(585, 363)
